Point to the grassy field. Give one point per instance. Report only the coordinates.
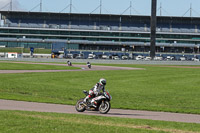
(21, 66)
(155, 88)
(35, 122)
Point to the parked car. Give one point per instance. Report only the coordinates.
(169, 58)
(124, 57)
(115, 57)
(69, 56)
(147, 58)
(195, 59)
(158, 58)
(80, 56)
(182, 58)
(139, 57)
(91, 56)
(105, 57)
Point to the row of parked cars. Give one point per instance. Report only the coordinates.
(93, 56)
(132, 56)
(114, 57)
(168, 58)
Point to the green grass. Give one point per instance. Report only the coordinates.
(26, 50)
(21, 66)
(35, 122)
(155, 88)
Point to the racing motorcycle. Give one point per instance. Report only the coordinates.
(103, 103)
(89, 66)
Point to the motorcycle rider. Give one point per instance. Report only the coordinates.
(88, 64)
(95, 91)
(69, 63)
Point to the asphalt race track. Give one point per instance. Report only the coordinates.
(44, 107)
(83, 68)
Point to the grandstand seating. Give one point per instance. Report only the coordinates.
(114, 24)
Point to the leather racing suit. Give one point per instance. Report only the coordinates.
(94, 93)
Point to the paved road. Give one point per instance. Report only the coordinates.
(83, 68)
(104, 61)
(44, 107)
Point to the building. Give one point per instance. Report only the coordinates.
(98, 31)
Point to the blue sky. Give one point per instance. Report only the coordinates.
(140, 7)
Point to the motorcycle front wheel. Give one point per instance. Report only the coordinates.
(104, 107)
(80, 107)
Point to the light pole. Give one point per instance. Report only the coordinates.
(153, 28)
(40, 5)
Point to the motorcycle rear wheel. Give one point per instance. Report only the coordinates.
(104, 107)
(80, 107)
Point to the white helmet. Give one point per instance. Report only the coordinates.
(102, 81)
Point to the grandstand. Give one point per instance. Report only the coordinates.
(98, 31)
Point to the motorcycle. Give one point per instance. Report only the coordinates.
(89, 66)
(103, 103)
(69, 63)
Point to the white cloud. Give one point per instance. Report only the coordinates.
(5, 5)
